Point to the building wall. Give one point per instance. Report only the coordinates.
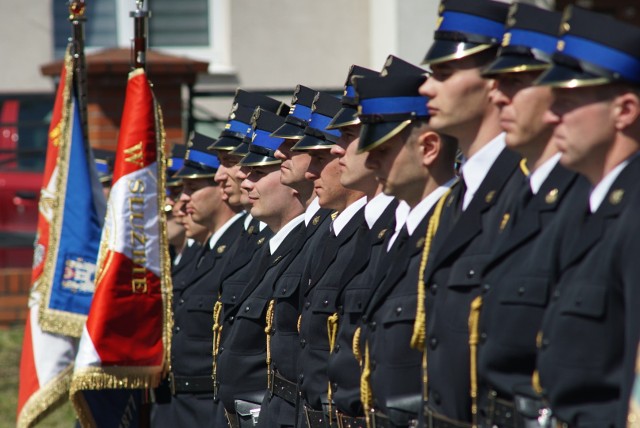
(280, 43)
(25, 44)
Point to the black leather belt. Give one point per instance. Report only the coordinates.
(190, 384)
(315, 418)
(380, 420)
(284, 389)
(500, 413)
(435, 420)
(345, 421)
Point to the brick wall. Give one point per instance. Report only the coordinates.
(14, 292)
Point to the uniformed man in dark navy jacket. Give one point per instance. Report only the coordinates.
(588, 340)
(319, 294)
(466, 40)
(279, 405)
(355, 287)
(519, 276)
(242, 355)
(193, 298)
(414, 164)
(229, 177)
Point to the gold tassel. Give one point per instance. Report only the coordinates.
(474, 336)
(524, 168)
(535, 378)
(217, 331)
(420, 324)
(332, 330)
(298, 324)
(267, 331)
(332, 333)
(355, 346)
(366, 395)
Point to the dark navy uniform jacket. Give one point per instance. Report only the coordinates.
(240, 264)
(518, 281)
(193, 308)
(357, 280)
(460, 251)
(285, 341)
(241, 362)
(586, 335)
(388, 320)
(183, 269)
(319, 300)
(191, 356)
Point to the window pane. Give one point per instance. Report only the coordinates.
(100, 26)
(179, 23)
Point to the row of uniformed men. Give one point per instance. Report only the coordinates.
(348, 275)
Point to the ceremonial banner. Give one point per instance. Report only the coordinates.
(125, 343)
(71, 212)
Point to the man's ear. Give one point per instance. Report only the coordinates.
(626, 110)
(429, 144)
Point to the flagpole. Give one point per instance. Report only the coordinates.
(139, 60)
(140, 36)
(77, 19)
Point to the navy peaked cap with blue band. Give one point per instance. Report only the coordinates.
(387, 105)
(104, 160)
(263, 146)
(466, 27)
(253, 100)
(238, 125)
(299, 114)
(530, 39)
(198, 162)
(239, 120)
(316, 134)
(397, 66)
(348, 114)
(594, 49)
(174, 162)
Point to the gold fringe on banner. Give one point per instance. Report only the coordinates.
(46, 399)
(166, 283)
(103, 378)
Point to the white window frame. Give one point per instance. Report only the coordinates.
(217, 54)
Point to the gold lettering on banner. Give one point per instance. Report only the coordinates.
(54, 135)
(138, 236)
(134, 154)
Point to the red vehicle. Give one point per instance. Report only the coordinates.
(24, 123)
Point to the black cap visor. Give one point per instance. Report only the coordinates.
(195, 170)
(241, 150)
(315, 139)
(288, 130)
(451, 50)
(225, 144)
(514, 64)
(104, 179)
(563, 76)
(346, 116)
(373, 135)
(259, 156)
(173, 182)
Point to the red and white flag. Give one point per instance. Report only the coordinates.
(71, 211)
(124, 346)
